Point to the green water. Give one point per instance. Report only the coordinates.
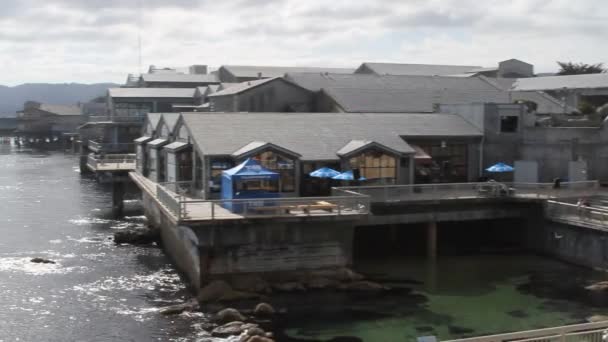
(455, 297)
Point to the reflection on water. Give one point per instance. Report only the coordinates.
(456, 297)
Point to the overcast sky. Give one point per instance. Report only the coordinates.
(96, 40)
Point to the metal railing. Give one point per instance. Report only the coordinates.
(111, 162)
(423, 192)
(587, 332)
(98, 146)
(447, 191)
(188, 208)
(576, 214)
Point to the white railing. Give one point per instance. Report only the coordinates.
(111, 162)
(451, 191)
(111, 147)
(588, 332)
(187, 208)
(574, 213)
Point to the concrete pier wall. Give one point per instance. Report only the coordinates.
(578, 245)
(270, 246)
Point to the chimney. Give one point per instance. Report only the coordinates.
(259, 75)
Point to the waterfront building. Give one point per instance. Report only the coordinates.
(48, 122)
(295, 144)
(244, 73)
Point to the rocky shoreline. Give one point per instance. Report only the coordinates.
(229, 301)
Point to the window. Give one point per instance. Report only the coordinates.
(284, 166)
(448, 163)
(376, 165)
(152, 160)
(508, 124)
(198, 172)
(132, 109)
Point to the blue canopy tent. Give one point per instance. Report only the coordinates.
(324, 172)
(248, 180)
(348, 175)
(500, 167)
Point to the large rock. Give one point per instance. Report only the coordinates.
(602, 286)
(214, 291)
(259, 339)
(136, 236)
(363, 286)
(289, 287)
(179, 308)
(228, 315)
(232, 329)
(263, 309)
(42, 261)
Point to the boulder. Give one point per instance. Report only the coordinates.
(289, 287)
(263, 309)
(136, 236)
(255, 331)
(214, 291)
(42, 261)
(179, 308)
(363, 286)
(597, 318)
(259, 339)
(227, 316)
(601, 286)
(232, 329)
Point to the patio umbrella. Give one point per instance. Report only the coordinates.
(324, 172)
(500, 167)
(348, 175)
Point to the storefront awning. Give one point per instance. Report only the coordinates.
(420, 155)
(177, 146)
(142, 140)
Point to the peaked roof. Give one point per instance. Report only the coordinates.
(152, 92)
(277, 71)
(415, 69)
(170, 119)
(180, 78)
(318, 136)
(562, 82)
(153, 119)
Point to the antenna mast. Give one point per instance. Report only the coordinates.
(139, 24)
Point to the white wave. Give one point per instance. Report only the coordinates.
(24, 265)
(56, 241)
(89, 220)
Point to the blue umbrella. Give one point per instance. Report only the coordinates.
(348, 175)
(500, 167)
(324, 172)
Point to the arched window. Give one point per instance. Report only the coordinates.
(375, 164)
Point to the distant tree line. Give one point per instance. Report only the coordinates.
(569, 68)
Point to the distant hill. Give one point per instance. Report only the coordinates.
(12, 98)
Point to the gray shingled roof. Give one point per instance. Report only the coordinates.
(152, 92)
(373, 93)
(241, 87)
(180, 78)
(318, 136)
(153, 119)
(417, 69)
(562, 82)
(61, 109)
(277, 71)
(170, 119)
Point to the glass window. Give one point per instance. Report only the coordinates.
(376, 165)
(217, 166)
(284, 166)
(132, 109)
(508, 124)
(448, 163)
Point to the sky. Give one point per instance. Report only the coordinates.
(88, 41)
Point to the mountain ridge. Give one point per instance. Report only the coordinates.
(12, 98)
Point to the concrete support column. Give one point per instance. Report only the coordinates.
(118, 194)
(431, 240)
